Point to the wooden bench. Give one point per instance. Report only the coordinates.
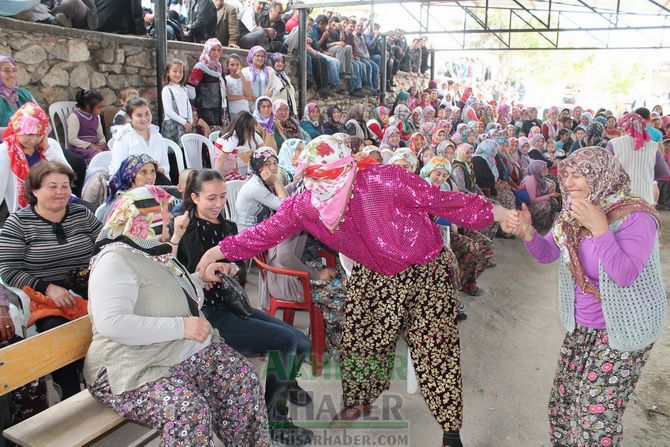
(73, 422)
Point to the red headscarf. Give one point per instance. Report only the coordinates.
(30, 119)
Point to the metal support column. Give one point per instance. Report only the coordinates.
(161, 51)
(432, 64)
(382, 72)
(302, 51)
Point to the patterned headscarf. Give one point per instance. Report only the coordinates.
(436, 131)
(250, 62)
(635, 126)
(379, 111)
(535, 169)
(594, 134)
(286, 154)
(610, 189)
(357, 113)
(308, 109)
(30, 119)
(259, 157)
(268, 124)
(402, 97)
(125, 175)
(330, 171)
(535, 139)
(417, 112)
(412, 142)
(9, 94)
(433, 164)
(214, 66)
(462, 151)
(276, 57)
(139, 220)
(588, 116)
(441, 149)
(402, 112)
(388, 133)
(405, 154)
(428, 113)
(487, 150)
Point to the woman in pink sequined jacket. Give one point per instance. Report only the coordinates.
(382, 218)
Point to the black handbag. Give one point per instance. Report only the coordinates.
(234, 296)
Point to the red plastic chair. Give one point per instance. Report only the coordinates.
(316, 323)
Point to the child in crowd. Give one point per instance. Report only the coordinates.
(120, 118)
(238, 88)
(207, 88)
(178, 118)
(84, 128)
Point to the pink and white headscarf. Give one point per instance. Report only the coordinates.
(206, 62)
(635, 126)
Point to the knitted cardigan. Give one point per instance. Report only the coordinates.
(634, 316)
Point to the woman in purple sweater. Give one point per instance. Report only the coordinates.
(382, 218)
(611, 295)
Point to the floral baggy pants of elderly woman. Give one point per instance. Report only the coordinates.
(420, 302)
(215, 391)
(591, 389)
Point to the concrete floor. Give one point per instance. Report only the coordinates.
(510, 344)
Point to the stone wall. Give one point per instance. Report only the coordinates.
(55, 62)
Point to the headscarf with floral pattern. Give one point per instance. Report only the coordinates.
(329, 171)
(610, 189)
(29, 119)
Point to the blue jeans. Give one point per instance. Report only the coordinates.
(374, 69)
(333, 69)
(287, 347)
(358, 72)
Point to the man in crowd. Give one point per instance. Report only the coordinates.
(271, 18)
(251, 32)
(201, 24)
(361, 51)
(227, 28)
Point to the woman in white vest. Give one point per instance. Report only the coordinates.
(611, 296)
(637, 153)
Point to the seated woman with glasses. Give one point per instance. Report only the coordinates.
(44, 250)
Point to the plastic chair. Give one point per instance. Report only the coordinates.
(99, 162)
(192, 144)
(178, 153)
(62, 110)
(214, 136)
(232, 189)
(288, 308)
(110, 143)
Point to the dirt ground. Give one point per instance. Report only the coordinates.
(510, 346)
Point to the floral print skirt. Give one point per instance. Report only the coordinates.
(592, 386)
(473, 251)
(419, 303)
(543, 214)
(215, 391)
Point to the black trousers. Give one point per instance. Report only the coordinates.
(66, 377)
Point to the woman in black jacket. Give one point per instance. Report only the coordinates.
(199, 229)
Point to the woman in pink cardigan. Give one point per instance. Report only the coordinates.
(382, 218)
(542, 195)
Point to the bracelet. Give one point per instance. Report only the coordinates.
(174, 244)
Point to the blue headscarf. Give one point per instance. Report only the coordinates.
(487, 149)
(286, 154)
(123, 179)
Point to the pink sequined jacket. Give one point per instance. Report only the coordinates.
(388, 226)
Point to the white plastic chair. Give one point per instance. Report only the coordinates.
(214, 136)
(232, 189)
(62, 110)
(178, 153)
(99, 162)
(110, 143)
(386, 155)
(192, 144)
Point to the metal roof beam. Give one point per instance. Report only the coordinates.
(659, 5)
(546, 25)
(594, 10)
(532, 30)
(481, 23)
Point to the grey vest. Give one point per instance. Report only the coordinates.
(635, 315)
(159, 295)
